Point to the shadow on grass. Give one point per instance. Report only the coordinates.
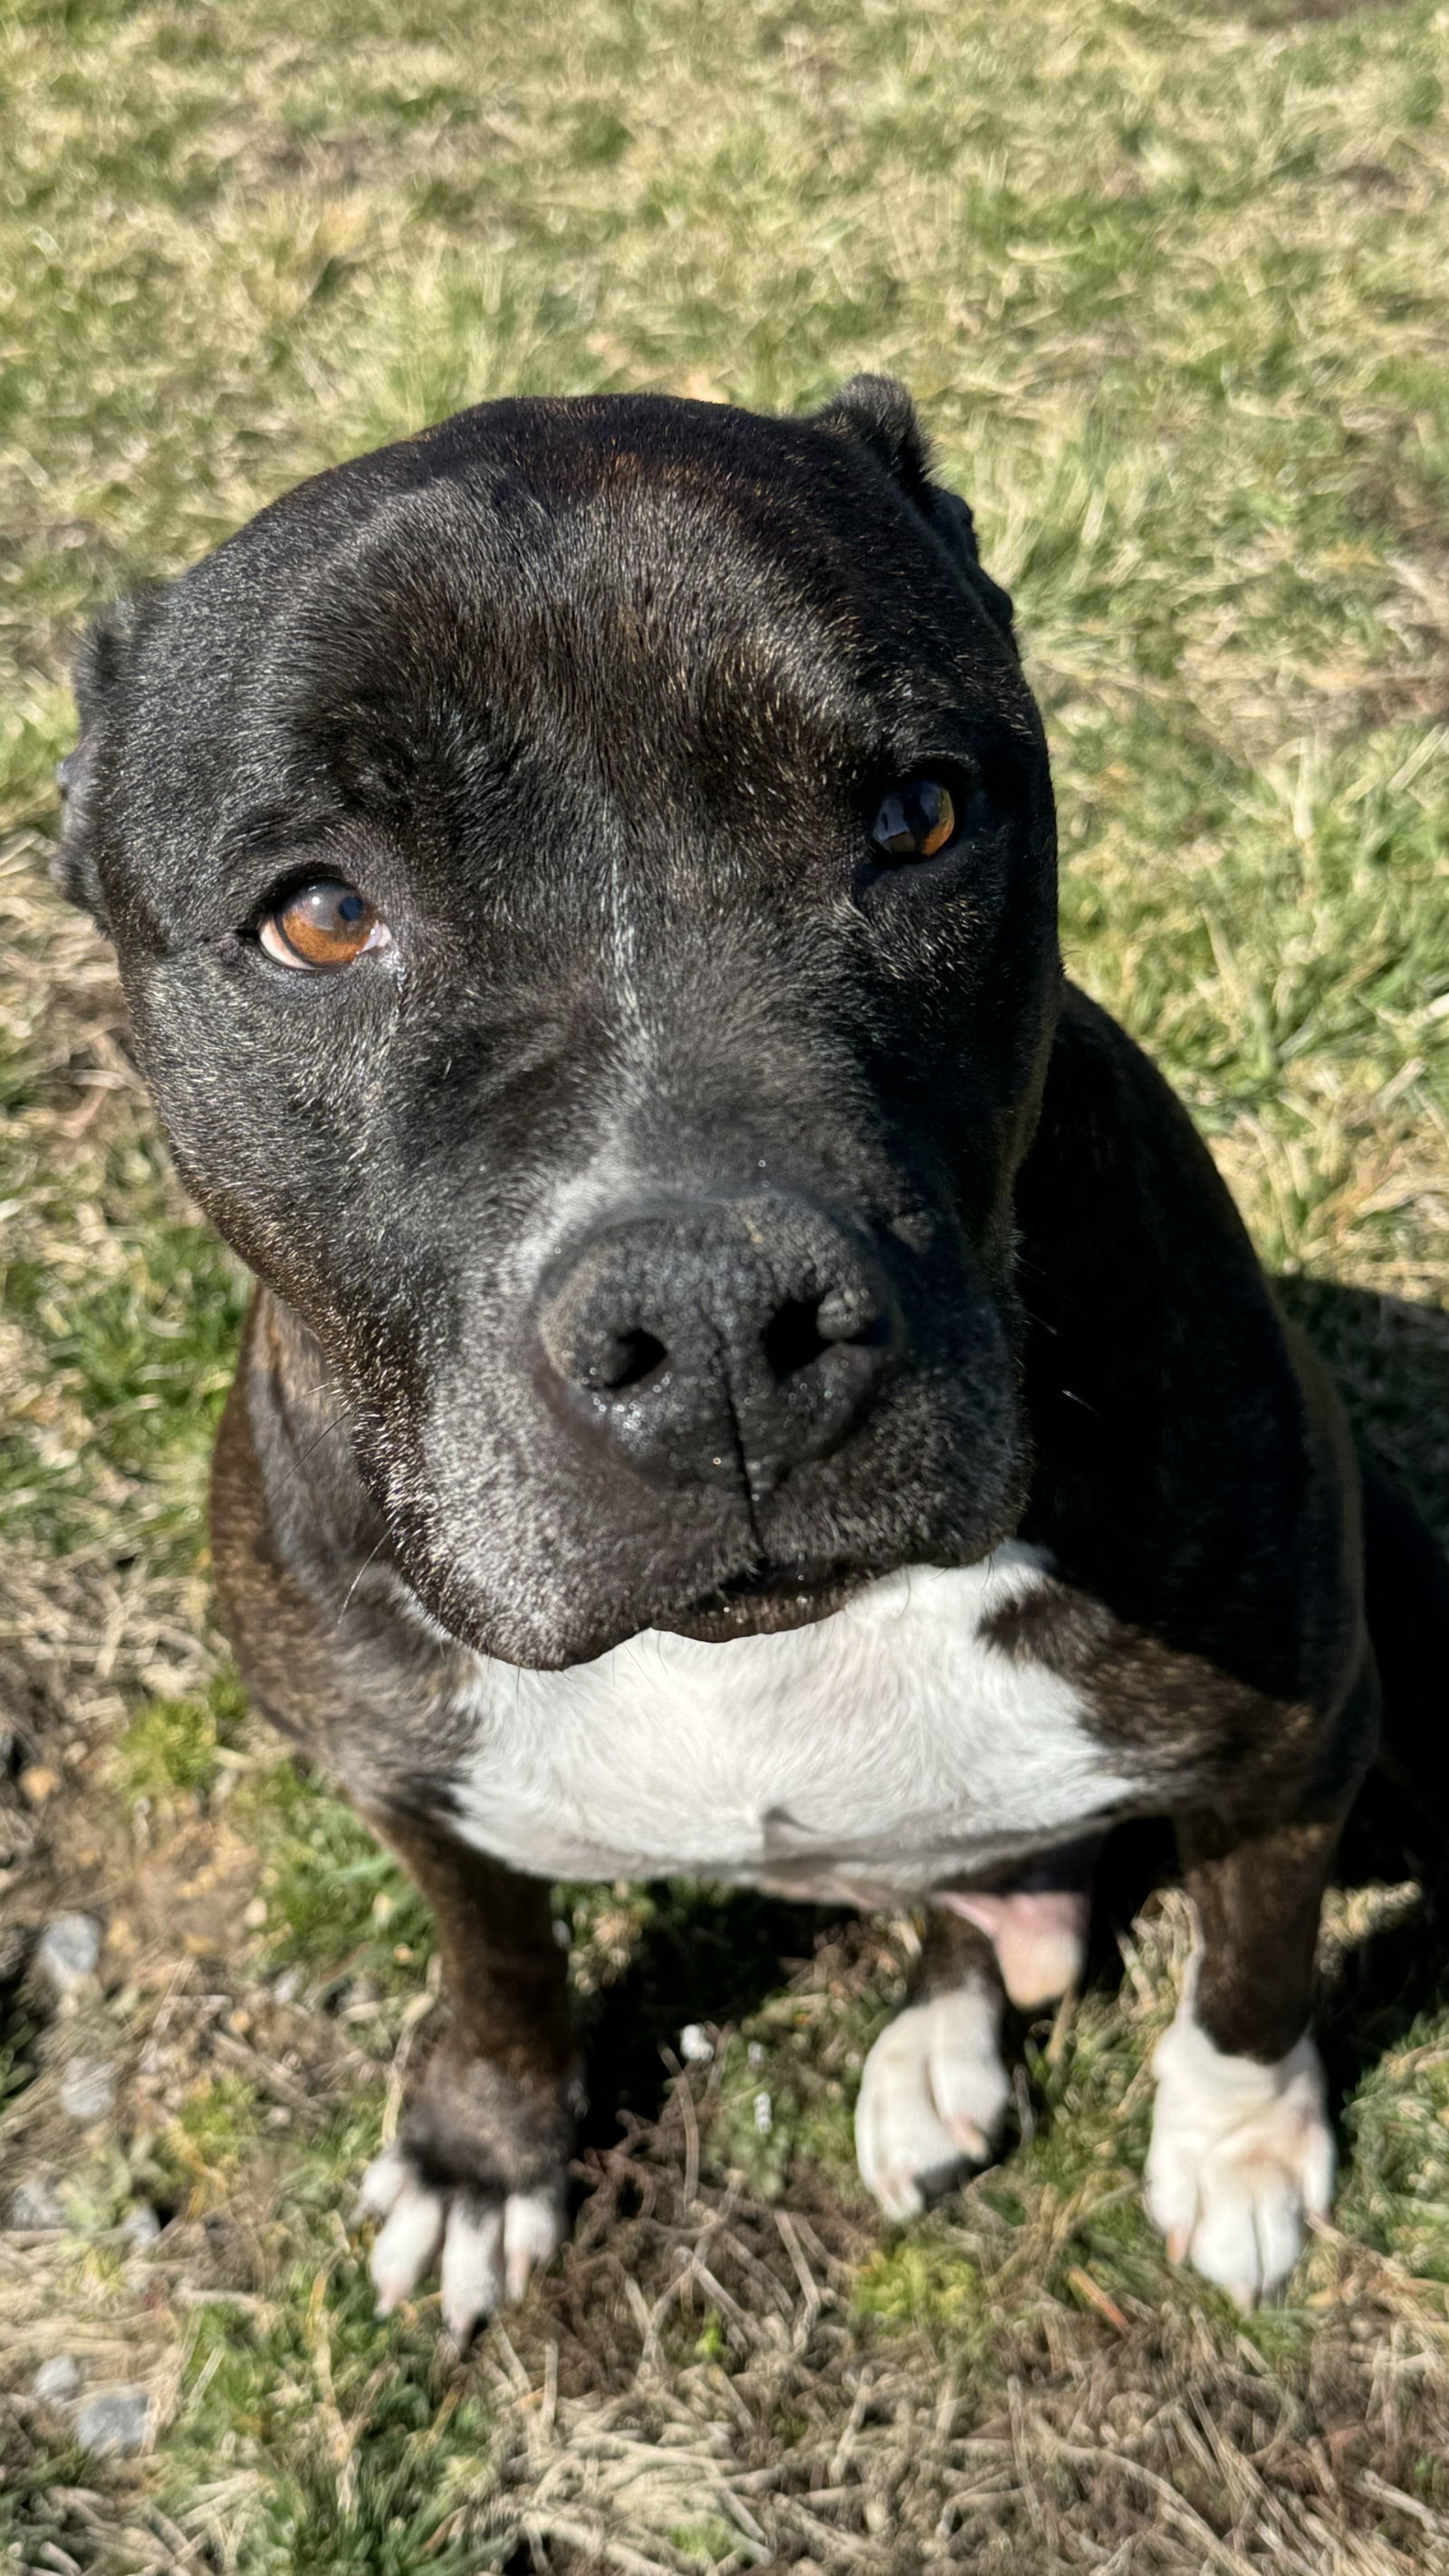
(1391, 1361)
(707, 1954)
(714, 1955)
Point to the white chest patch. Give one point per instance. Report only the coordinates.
(874, 1755)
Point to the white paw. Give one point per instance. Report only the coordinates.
(932, 2096)
(1241, 2158)
(489, 2246)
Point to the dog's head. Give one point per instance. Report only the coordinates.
(584, 884)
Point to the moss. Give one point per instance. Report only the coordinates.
(925, 2282)
(706, 2542)
(786, 2103)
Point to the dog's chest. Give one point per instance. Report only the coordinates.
(876, 1754)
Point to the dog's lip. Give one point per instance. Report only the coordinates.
(764, 1602)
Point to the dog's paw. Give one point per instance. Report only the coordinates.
(1241, 2158)
(932, 2096)
(490, 2243)
(476, 2184)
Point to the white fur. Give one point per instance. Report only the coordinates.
(470, 2276)
(872, 1755)
(488, 2248)
(407, 2242)
(1241, 2157)
(931, 2097)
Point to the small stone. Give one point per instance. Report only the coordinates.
(38, 1782)
(255, 1914)
(695, 2045)
(115, 2419)
(68, 1953)
(88, 2089)
(288, 1986)
(57, 2380)
(37, 2204)
(141, 2226)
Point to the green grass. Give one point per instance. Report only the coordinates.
(169, 1747)
(288, 2401)
(1169, 284)
(336, 1904)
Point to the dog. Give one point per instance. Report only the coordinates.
(751, 1373)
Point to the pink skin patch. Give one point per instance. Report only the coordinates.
(1037, 1926)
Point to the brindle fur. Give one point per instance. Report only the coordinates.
(1096, 1362)
(1280, 1713)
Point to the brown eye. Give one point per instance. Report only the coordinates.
(915, 821)
(326, 923)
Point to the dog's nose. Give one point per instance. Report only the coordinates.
(719, 1345)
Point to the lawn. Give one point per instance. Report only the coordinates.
(1170, 286)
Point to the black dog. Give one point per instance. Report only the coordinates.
(752, 1376)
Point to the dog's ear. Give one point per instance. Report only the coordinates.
(99, 665)
(878, 413)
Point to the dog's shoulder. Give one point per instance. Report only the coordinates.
(1113, 1135)
(1192, 1466)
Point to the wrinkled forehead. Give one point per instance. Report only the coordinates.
(662, 621)
(642, 615)
(648, 630)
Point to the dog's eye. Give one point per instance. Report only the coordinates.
(324, 924)
(915, 821)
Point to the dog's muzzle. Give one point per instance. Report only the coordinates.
(720, 1344)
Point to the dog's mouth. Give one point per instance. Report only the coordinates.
(764, 1602)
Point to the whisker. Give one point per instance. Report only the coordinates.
(299, 1459)
(372, 1552)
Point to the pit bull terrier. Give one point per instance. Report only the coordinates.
(751, 1374)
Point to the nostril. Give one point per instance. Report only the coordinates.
(700, 1342)
(625, 1360)
(793, 1338)
(848, 1314)
(805, 1328)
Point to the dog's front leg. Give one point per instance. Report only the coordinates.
(934, 2090)
(1242, 2153)
(478, 2174)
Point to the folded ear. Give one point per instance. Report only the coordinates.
(99, 666)
(878, 413)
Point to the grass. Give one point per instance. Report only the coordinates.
(1168, 282)
(170, 1748)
